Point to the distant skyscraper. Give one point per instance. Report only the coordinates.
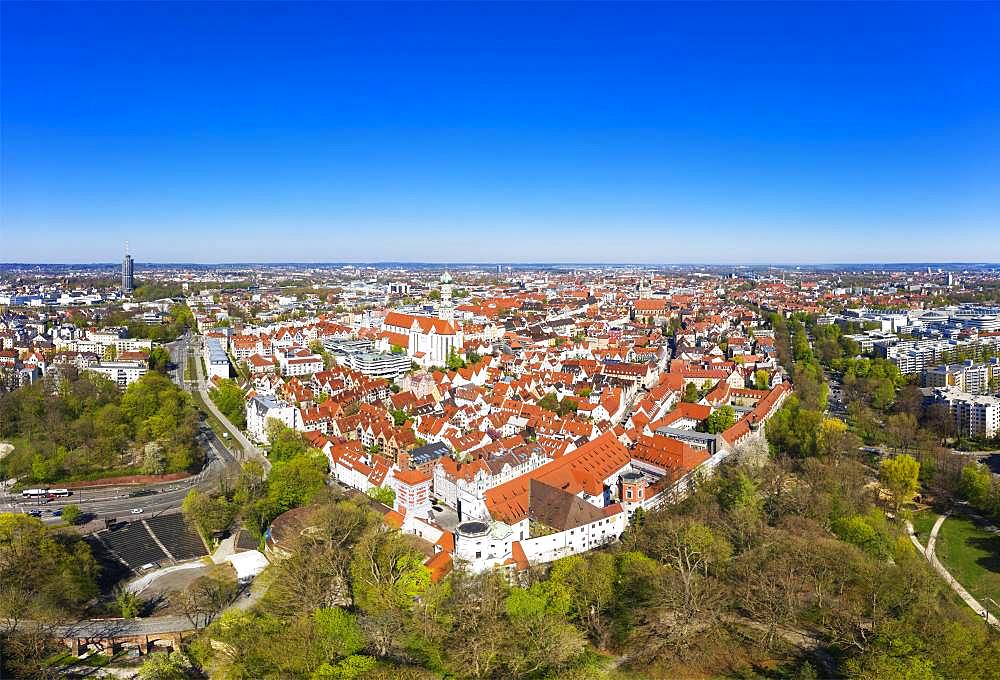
(128, 281)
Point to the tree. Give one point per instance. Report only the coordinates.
(861, 531)
(296, 482)
(159, 359)
(538, 637)
(691, 395)
(387, 573)
(900, 475)
(454, 360)
(550, 402)
(793, 429)
(286, 443)
(206, 597)
(251, 484)
(337, 632)
(318, 572)
(762, 380)
(901, 430)
(721, 419)
(688, 546)
(128, 603)
(44, 575)
(976, 485)
(207, 514)
(939, 419)
(383, 494)
(833, 438)
(230, 400)
(163, 666)
(910, 400)
(588, 582)
(83, 425)
(154, 459)
(71, 513)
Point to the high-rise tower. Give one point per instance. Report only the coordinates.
(128, 281)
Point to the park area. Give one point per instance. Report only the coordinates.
(971, 553)
(923, 522)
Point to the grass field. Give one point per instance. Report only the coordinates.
(923, 522)
(972, 555)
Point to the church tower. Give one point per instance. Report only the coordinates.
(446, 311)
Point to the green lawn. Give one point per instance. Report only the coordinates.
(923, 522)
(972, 555)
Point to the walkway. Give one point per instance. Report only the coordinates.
(250, 450)
(929, 553)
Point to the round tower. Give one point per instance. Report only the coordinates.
(631, 489)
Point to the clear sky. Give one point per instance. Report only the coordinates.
(500, 132)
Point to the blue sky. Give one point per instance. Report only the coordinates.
(500, 132)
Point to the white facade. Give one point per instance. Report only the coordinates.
(975, 415)
(262, 408)
(216, 359)
(378, 365)
(122, 373)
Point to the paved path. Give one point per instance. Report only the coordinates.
(250, 450)
(929, 553)
(143, 582)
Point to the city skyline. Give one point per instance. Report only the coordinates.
(520, 133)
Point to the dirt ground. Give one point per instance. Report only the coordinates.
(159, 591)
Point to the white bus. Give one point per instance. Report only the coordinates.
(45, 493)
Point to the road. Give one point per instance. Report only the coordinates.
(178, 350)
(119, 501)
(250, 450)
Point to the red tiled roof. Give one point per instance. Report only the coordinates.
(426, 324)
(440, 565)
(583, 470)
(412, 477)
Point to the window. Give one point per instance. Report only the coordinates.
(478, 554)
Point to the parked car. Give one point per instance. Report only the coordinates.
(136, 511)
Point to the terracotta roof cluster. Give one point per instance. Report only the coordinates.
(583, 470)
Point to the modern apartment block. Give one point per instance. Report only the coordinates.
(975, 415)
(915, 356)
(122, 373)
(216, 359)
(379, 365)
(967, 376)
(264, 407)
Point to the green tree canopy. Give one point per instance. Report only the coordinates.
(900, 477)
(721, 419)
